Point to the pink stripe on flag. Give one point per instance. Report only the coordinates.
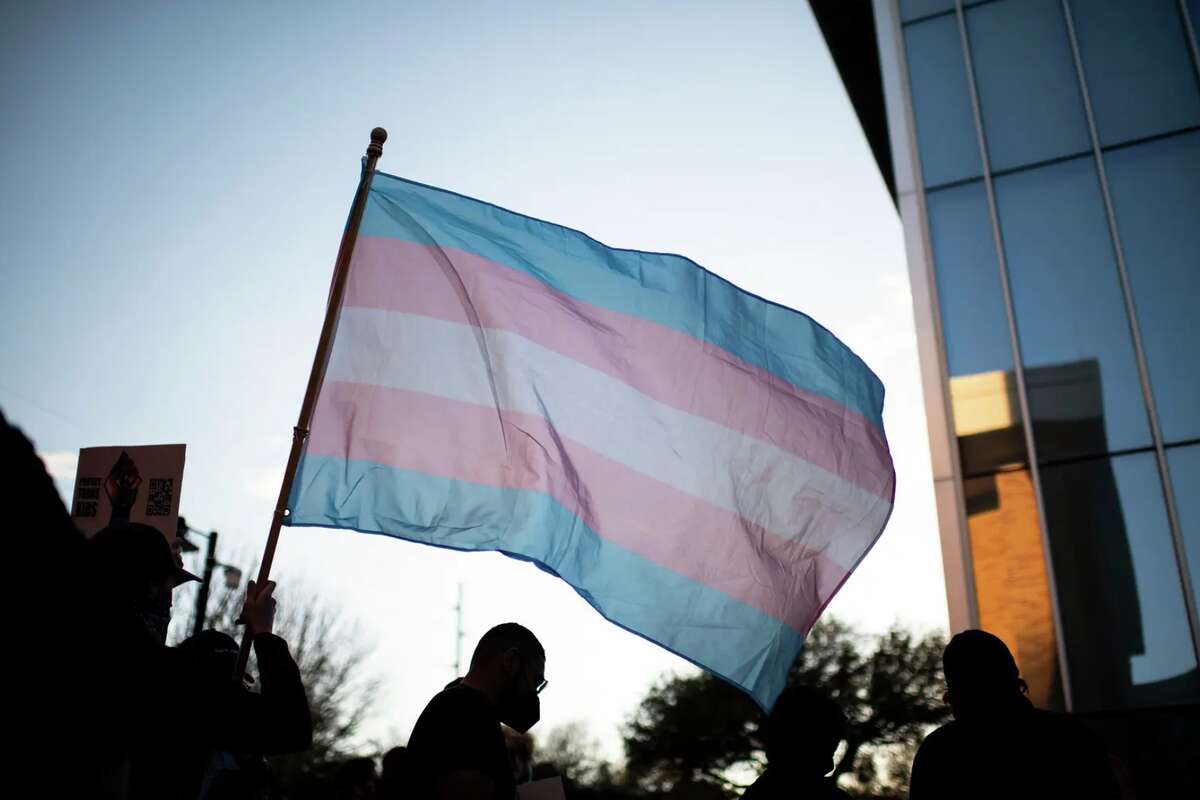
(462, 441)
(662, 363)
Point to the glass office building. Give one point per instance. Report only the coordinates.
(1048, 173)
(1045, 160)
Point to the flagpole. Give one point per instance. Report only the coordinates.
(341, 271)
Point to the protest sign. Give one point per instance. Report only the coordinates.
(128, 484)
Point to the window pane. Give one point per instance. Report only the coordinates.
(968, 280)
(1156, 192)
(987, 419)
(916, 9)
(1184, 464)
(1084, 393)
(1028, 90)
(1010, 577)
(1124, 622)
(913, 9)
(941, 101)
(1139, 72)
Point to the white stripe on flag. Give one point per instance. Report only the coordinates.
(764, 484)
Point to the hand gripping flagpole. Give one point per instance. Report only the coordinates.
(341, 271)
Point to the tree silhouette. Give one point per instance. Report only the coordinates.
(694, 735)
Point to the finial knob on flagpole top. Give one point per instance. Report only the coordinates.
(378, 137)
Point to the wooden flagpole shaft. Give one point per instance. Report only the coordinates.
(341, 271)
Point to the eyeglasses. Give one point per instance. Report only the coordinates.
(541, 687)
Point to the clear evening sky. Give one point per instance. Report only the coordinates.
(175, 180)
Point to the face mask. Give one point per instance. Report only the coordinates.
(522, 715)
(155, 614)
(520, 708)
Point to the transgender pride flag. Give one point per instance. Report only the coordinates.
(703, 466)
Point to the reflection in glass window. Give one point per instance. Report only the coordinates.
(987, 422)
(968, 280)
(915, 9)
(1124, 623)
(1010, 577)
(1028, 90)
(1085, 396)
(1139, 72)
(946, 137)
(987, 417)
(1156, 193)
(1184, 464)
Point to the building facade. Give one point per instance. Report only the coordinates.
(1047, 170)
(1044, 157)
(1045, 160)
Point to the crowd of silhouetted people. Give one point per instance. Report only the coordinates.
(130, 718)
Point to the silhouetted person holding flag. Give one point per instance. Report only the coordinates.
(457, 748)
(232, 728)
(163, 710)
(803, 733)
(127, 694)
(999, 745)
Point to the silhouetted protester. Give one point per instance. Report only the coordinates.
(804, 730)
(394, 775)
(457, 749)
(41, 540)
(356, 780)
(38, 531)
(120, 685)
(35, 519)
(236, 728)
(999, 745)
(163, 710)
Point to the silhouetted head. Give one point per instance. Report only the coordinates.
(509, 667)
(394, 772)
(215, 654)
(981, 675)
(803, 732)
(356, 779)
(134, 571)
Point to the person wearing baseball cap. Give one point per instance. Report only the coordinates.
(134, 571)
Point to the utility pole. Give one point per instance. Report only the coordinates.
(210, 561)
(458, 634)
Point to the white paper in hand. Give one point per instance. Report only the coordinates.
(545, 789)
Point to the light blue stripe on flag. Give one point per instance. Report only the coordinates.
(736, 641)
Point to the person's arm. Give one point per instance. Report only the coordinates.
(278, 720)
(283, 712)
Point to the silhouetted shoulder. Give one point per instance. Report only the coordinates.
(458, 731)
(1029, 753)
(935, 765)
